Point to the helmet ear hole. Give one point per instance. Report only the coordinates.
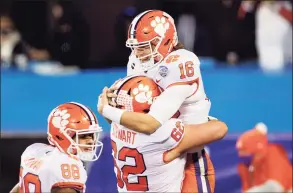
(129, 92)
(59, 138)
(167, 42)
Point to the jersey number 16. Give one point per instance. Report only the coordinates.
(186, 70)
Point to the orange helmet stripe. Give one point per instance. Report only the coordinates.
(134, 23)
(124, 81)
(88, 112)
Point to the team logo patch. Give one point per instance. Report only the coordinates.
(163, 71)
(60, 119)
(160, 25)
(143, 94)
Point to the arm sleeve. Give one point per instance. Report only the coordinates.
(244, 176)
(169, 102)
(278, 166)
(170, 134)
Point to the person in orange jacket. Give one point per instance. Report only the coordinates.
(263, 166)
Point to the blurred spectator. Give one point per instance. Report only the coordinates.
(189, 22)
(30, 19)
(119, 56)
(273, 31)
(69, 35)
(263, 166)
(211, 28)
(232, 40)
(12, 47)
(186, 26)
(15, 52)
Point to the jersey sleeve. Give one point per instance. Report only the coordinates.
(244, 177)
(170, 134)
(34, 150)
(65, 172)
(175, 95)
(178, 69)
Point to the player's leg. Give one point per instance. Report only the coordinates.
(199, 173)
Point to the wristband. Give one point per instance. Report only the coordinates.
(112, 113)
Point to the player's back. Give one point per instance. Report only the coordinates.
(44, 167)
(138, 159)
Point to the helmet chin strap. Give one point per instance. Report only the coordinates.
(87, 156)
(75, 150)
(148, 65)
(152, 62)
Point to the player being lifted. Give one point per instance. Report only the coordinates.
(141, 161)
(73, 133)
(153, 39)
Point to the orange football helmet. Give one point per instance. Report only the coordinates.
(152, 28)
(136, 93)
(71, 120)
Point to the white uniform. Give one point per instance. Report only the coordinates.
(186, 70)
(180, 67)
(138, 159)
(44, 167)
(133, 66)
(273, 35)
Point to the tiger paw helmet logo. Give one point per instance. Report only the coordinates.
(160, 25)
(142, 94)
(60, 119)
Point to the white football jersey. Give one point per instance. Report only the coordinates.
(182, 67)
(138, 159)
(133, 66)
(44, 167)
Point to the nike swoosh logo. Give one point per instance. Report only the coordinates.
(157, 81)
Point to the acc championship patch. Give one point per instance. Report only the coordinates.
(163, 71)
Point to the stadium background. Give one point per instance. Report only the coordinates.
(241, 94)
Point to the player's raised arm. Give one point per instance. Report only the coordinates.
(163, 108)
(196, 136)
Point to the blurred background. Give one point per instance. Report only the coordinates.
(55, 51)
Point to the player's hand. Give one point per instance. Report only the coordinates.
(111, 95)
(102, 100)
(171, 155)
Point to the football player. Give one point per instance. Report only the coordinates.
(73, 134)
(141, 160)
(153, 39)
